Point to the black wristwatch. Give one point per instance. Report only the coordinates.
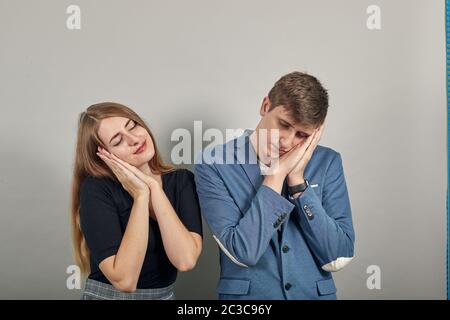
(298, 188)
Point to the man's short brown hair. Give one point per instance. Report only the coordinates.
(303, 97)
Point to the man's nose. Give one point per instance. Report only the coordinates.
(289, 142)
(285, 144)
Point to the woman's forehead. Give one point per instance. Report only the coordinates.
(110, 126)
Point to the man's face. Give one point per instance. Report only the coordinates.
(290, 132)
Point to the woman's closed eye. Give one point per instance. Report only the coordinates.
(134, 125)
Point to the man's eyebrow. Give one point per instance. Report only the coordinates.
(294, 127)
(287, 122)
(126, 125)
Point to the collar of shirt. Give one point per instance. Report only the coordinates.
(262, 166)
(253, 142)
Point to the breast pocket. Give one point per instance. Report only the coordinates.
(326, 289)
(234, 287)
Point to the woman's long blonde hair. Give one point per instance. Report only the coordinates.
(87, 163)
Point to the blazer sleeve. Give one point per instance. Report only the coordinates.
(242, 236)
(327, 224)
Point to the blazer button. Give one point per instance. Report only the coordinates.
(285, 248)
(287, 286)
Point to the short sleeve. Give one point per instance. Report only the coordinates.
(188, 204)
(99, 219)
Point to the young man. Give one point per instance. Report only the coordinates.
(283, 222)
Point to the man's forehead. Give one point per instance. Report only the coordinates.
(286, 116)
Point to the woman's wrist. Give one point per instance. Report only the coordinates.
(143, 195)
(153, 185)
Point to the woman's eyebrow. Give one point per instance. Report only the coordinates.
(126, 125)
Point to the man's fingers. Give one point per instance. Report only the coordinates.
(308, 143)
(317, 135)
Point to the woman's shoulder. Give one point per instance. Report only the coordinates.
(92, 184)
(179, 176)
(180, 172)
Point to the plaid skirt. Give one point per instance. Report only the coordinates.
(96, 290)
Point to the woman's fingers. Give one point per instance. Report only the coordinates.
(138, 173)
(133, 169)
(130, 182)
(115, 169)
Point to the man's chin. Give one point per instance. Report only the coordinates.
(276, 155)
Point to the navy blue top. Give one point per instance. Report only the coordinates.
(105, 208)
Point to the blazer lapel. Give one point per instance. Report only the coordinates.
(247, 158)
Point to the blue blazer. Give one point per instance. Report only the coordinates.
(273, 247)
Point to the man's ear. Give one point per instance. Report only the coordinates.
(265, 106)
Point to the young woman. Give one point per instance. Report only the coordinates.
(135, 220)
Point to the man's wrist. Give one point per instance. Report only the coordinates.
(294, 180)
(274, 182)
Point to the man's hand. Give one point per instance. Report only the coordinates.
(296, 175)
(293, 163)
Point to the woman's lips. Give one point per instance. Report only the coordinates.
(141, 148)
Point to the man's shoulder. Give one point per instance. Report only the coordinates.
(324, 156)
(324, 151)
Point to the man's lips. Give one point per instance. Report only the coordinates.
(276, 149)
(141, 148)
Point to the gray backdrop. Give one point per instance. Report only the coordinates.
(179, 61)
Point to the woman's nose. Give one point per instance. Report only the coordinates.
(132, 139)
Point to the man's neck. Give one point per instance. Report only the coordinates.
(259, 152)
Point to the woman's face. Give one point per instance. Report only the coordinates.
(127, 140)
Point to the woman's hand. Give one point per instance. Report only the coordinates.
(149, 181)
(131, 183)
